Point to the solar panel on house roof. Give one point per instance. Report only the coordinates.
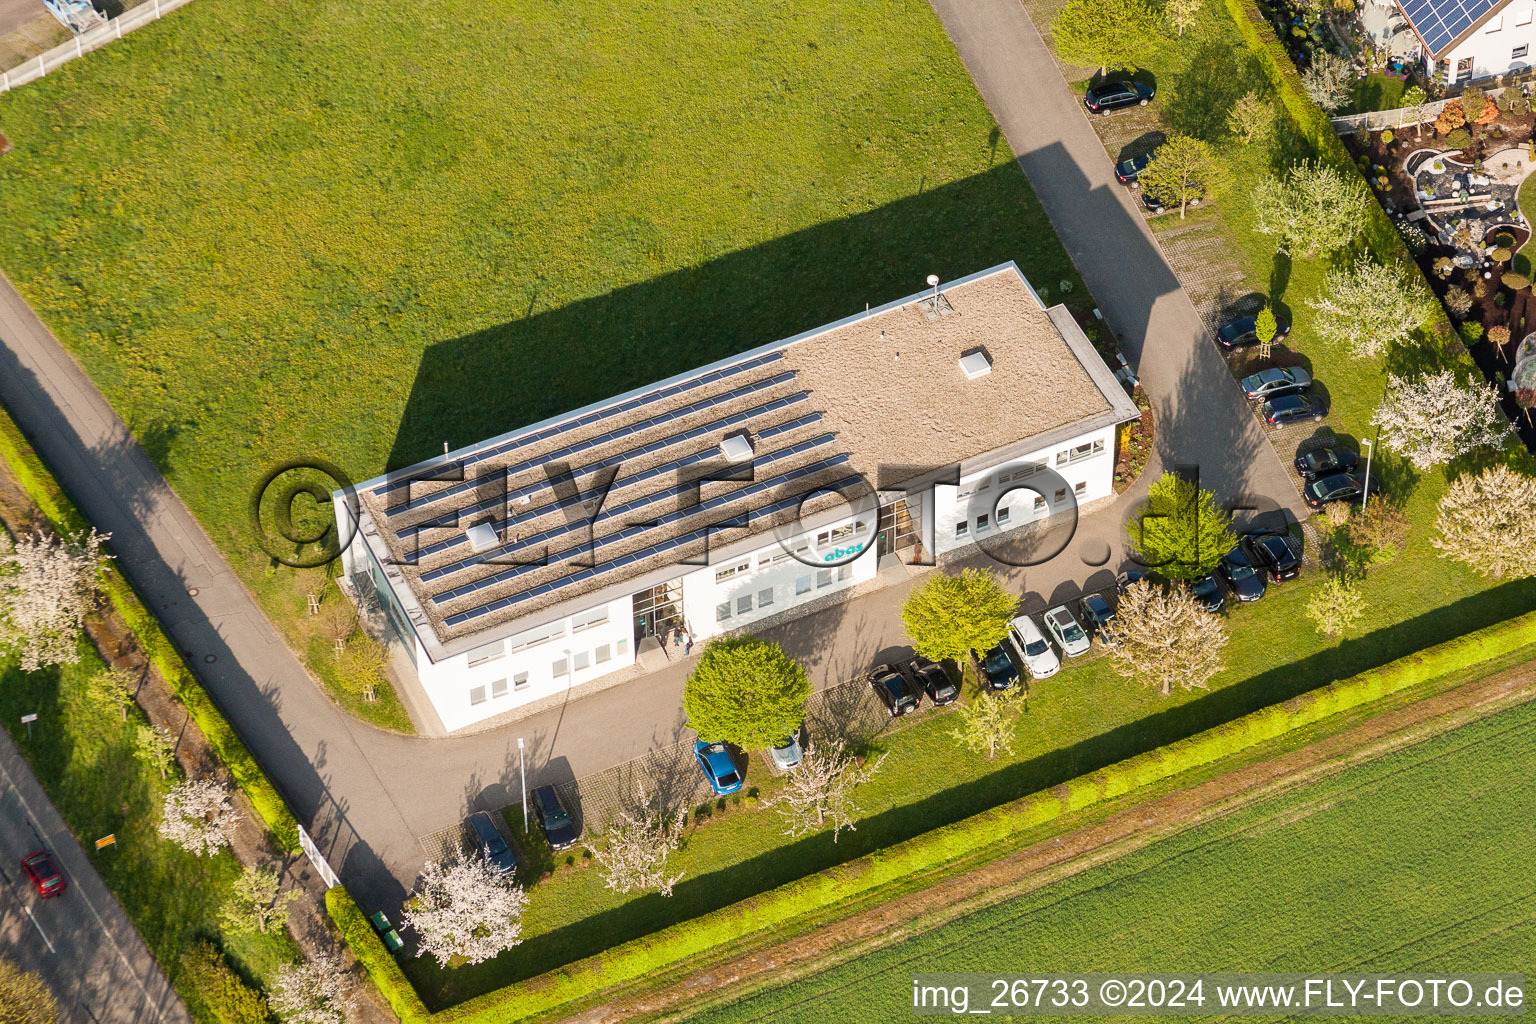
(512, 600)
(1439, 22)
(554, 429)
(583, 550)
(589, 443)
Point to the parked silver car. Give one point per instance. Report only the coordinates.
(1070, 636)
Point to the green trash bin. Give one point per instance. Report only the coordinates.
(392, 941)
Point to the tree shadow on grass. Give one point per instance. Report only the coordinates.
(528, 369)
(1200, 99)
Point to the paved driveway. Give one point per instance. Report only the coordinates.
(368, 795)
(81, 942)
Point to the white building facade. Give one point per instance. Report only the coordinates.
(846, 529)
(1458, 41)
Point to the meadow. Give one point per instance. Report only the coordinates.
(357, 231)
(1414, 862)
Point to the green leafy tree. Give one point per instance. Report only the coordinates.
(746, 691)
(1183, 170)
(985, 725)
(1181, 531)
(1265, 328)
(1337, 606)
(1183, 13)
(1251, 118)
(256, 901)
(155, 748)
(952, 614)
(360, 668)
(111, 690)
(1315, 209)
(1414, 101)
(1098, 33)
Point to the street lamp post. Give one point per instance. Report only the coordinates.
(1365, 495)
(522, 783)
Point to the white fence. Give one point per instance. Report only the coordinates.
(1402, 117)
(136, 17)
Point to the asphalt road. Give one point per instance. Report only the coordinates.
(366, 795)
(81, 941)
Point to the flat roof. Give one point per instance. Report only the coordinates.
(868, 402)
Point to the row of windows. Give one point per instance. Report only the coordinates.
(1065, 457)
(501, 648)
(559, 669)
(743, 605)
(824, 539)
(984, 520)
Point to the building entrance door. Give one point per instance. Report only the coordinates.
(658, 610)
(900, 526)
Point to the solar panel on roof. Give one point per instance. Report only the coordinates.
(587, 444)
(554, 429)
(1439, 22)
(631, 532)
(512, 600)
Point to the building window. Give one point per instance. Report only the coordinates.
(1080, 488)
(1519, 51)
(581, 660)
(1463, 69)
(536, 636)
(823, 578)
(586, 620)
(603, 653)
(837, 533)
(1079, 453)
(962, 528)
(727, 573)
(1494, 24)
(983, 522)
(1061, 494)
(722, 611)
(476, 695)
(802, 585)
(1002, 516)
(498, 688)
(490, 652)
(520, 681)
(559, 668)
(622, 645)
(773, 559)
(1039, 503)
(844, 573)
(1524, 17)
(743, 605)
(765, 597)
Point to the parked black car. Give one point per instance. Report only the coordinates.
(1207, 590)
(1274, 553)
(1276, 381)
(1240, 332)
(1127, 171)
(1108, 96)
(932, 680)
(1288, 409)
(559, 831)
(1322, 462)
(1350, 487)
(1099, 616)
(1156, 204)
(898, 695)
(1247, 583)
(496, 849)
(999, 669)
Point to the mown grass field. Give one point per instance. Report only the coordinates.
(1415, 862)
(356, 231)
(83, 754)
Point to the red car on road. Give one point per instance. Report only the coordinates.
(45, 876)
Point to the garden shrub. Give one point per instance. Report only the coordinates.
(1458, 139)
(1387, 137)
(1458, 300)
(1471, 332)
(213, 987)
(377, 961)
(1515, 282)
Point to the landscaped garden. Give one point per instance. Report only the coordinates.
(275, 234)
(1410, 842)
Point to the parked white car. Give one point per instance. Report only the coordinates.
(1039, 659)
(1071, 637)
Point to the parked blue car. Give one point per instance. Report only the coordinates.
(719, 767)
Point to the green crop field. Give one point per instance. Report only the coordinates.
(355, 231)
(1418, 861)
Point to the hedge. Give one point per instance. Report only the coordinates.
(376, 960)
(929, 851)
(44, 490)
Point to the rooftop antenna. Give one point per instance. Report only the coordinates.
(445, 447)
(933, 279)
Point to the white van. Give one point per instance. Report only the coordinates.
(1039, 658)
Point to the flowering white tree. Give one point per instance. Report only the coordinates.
(316, 990)
(47, 584)
(1166, 639)
(820, 791)
(466, 912)
(635, 850)
(1433, 419)
(1315, 209)
(197, 816)
(1369, 306)
(1488, 521)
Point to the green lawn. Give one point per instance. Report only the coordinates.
(1375, 91)
(356, 231)
(84, 757)
(1416, 862)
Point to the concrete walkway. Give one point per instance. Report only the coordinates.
(82, 942)
(368, 795)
